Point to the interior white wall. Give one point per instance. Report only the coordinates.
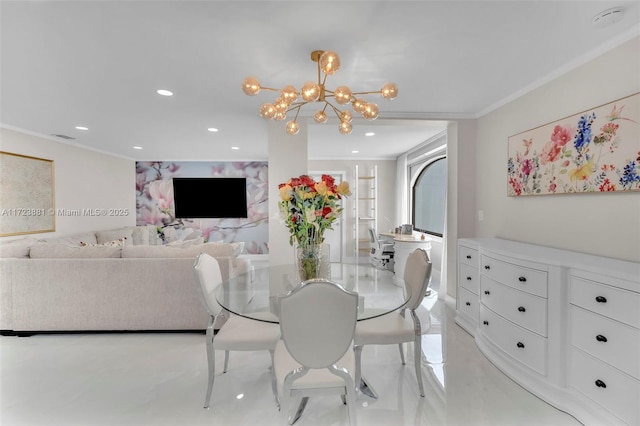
(603, 224)
(84, 179)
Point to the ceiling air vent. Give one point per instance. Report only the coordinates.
(62, 136)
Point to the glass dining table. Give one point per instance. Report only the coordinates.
(255, 295)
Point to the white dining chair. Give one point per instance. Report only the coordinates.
(315, 355)
(397, 327)
(236, 333)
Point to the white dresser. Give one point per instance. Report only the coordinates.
(564, 325)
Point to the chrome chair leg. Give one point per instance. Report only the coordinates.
(226, 361)
(418, 362)
(401, 353)
(211, 361)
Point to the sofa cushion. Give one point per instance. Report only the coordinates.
(139, 235)
(18, 248)
(74, 239)
(186, 243)
(61, 251)
(213, 249)
(14, 250)
(114, 234)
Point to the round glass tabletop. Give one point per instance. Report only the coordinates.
(255, 295)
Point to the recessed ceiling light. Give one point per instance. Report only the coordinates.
(369, 134)
(212, 129)
(235, 147)
(355, 152)
(82, 128)
(165, 92)
(137, 147)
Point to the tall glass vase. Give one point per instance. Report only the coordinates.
(312, 261)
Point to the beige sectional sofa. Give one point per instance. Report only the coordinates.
(109, 284)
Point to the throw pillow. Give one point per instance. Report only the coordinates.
(113, 234)
(186, 243)
(115, 243)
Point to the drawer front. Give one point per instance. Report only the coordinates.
(612, 390)
(468, 277)
(468, 256)
(615, 343)
(524, 309)
(526, 279)
(468, 304)
(522, 345)
(612, 302)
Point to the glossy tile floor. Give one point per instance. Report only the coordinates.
(160, 379)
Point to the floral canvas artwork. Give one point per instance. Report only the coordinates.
(597, 150)
(155, 203)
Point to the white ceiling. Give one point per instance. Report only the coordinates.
(98, 64)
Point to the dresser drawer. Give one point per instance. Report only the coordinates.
(523, 278)
(468, 304)
(522, 345)
(615, 303)
(612, 390)
(468, 277)
(524, 309)
(615, 343)
(468, 256)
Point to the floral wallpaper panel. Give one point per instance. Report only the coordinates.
(594, 151)
(154, 200)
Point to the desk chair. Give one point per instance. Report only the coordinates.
(315, 355)
(396, 327)
(236, 333)
(382, 251)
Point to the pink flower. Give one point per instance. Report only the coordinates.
(562, 135)
(527, 166)
(162, 192)
(549, 153)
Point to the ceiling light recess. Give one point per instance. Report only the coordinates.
(164, 92)
(329, 64)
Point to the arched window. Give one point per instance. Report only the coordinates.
(429, 198)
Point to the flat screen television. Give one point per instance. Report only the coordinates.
(209, 198)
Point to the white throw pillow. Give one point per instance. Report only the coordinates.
(113, 234)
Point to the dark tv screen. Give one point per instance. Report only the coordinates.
(208, 198)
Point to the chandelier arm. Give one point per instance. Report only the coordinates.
(335, 110)
(297, 107)
(377, 92)
(270, 88)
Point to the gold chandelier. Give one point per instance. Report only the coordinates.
(329, 64)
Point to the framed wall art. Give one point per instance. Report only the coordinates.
(597, 150)
(27, 195)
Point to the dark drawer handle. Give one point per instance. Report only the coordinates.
(601, 338)
(485, 322)
(487, 292)
(487, 267)
(468, 278)
(521, 309)
(522, 279)
(468, 256)
(468, 304)
(601, 299)
(601, 384)
(520, 345)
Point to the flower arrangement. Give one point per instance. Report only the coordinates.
(308, 209)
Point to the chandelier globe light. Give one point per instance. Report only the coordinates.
(292, 100)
